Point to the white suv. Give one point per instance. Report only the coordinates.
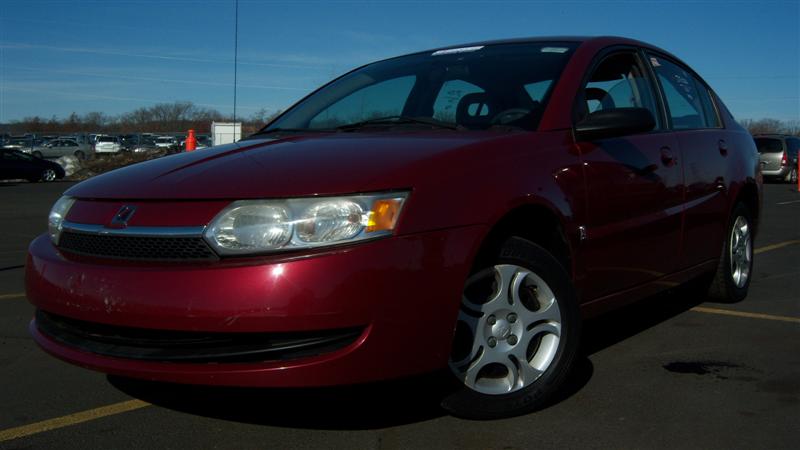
(107, 144)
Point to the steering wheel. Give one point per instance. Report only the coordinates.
(509, 115)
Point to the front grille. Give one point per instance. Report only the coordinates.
(190, 346)
(136, 247)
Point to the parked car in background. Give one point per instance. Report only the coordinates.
(167, 142)
(57, 148)
(15, 164)
(778, 154)
(129, 141)
(22, 143)
(107, 144)
(203, 141)
(145, 144)
(461, 208)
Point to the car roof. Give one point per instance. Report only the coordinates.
(609, 40)
(602, 41)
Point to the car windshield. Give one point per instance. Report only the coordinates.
(769, 145)
(16, 155)
(471, 88)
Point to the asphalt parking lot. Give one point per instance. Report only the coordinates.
(668, 372)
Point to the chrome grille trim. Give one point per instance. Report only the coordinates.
(134, 231)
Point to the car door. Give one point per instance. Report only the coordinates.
(53, 149)
(69, 148)
(704, 151)
(634, 183)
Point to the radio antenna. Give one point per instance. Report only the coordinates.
(235, 55)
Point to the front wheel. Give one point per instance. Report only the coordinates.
(732, 279)
(516, 335)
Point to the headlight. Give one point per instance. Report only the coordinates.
(57, 215)
(262, 226)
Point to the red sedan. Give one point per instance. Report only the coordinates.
(457, 208)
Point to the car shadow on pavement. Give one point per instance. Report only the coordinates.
(626, 322)
(396, 402)
(359, 407)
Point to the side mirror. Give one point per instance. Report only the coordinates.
(612, 123)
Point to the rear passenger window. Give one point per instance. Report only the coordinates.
(688, 99)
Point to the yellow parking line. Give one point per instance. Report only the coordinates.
(71, 419)
(728, 312)
(10, 296)
(776, 246)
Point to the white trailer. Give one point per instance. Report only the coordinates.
(225, 132)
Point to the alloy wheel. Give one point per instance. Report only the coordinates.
(740, 251)
(508, 330)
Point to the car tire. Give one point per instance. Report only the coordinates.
(37, 155)
(80, 155)
(48, 175)
(732, 278)
(791, 177)
(516, 336)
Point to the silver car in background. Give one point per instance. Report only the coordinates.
(778, 154)
(57, 148)
(107, 144)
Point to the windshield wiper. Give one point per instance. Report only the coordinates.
(396, 120)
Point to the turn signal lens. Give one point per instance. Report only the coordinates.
(384, 214)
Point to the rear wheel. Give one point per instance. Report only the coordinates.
(48, 175)
(732, 279)
(791, 177)
(516, 336)
(80, 155)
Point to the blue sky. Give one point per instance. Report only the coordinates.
(60, 56)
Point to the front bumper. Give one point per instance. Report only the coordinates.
(401, 293)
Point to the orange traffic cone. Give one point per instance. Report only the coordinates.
(191, 141)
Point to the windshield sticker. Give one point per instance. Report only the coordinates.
(554, 49)
(654, 62)
(451, 51)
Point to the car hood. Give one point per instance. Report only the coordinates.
(293, 166)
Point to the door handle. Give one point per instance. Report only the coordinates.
(667, 158)
(723, 147)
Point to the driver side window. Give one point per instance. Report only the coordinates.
(619, 82)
